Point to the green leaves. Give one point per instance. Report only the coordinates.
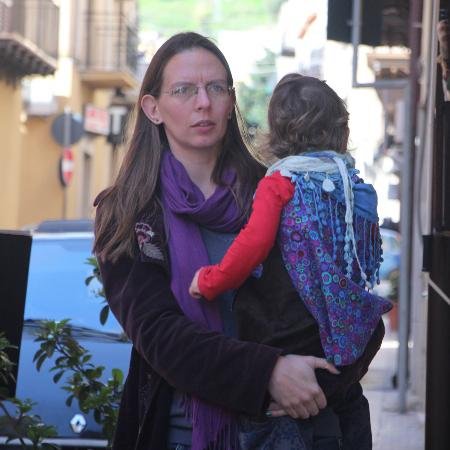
(117, 376)
(72, 365)
(37, 431)
(82, 379)
(104, 313)
(40, 359)
(6, 365)
(100, 292)
(58, 376)
(20, 424)
(253, 97)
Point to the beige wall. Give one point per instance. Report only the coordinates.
(102, 174)
(85, 186)
(41, 194)
(30, 190)
(11, 132)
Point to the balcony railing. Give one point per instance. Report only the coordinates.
(109, 56)
(28, 37)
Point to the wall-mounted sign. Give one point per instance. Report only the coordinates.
(67, 128)
(66, 165)
(96, 120)
(118, 117)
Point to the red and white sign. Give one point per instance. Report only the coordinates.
(96, 120)
(66, 166)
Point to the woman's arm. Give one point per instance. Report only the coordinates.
(252, 244)
(187, 355)
(236, 375)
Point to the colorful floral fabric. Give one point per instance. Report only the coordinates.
(312, 241)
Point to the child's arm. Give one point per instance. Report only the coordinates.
(252, 244)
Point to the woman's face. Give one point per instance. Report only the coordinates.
(192, 106)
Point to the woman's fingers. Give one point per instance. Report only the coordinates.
(321, 363)
(277, 413)
(294, 386)
(314, 408)
(275, 410)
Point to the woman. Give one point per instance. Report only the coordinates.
(183, 191)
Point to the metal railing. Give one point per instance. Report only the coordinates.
(5, 15)
(110, 43)
(35, 20)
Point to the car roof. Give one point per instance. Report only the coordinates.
(64, 226)
(389, 232)
(62, 236)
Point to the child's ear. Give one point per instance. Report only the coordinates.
(149, 105)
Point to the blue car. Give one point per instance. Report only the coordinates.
(391, 260)
(56, 290)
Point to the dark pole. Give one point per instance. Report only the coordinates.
(437, 429)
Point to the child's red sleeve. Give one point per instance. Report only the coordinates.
(254, 242)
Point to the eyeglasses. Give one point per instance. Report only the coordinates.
(214, 90)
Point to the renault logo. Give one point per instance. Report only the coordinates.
(78, 423)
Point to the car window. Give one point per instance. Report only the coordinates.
(56, 284)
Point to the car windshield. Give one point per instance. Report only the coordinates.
(56, 284)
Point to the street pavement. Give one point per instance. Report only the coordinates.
(390, 429)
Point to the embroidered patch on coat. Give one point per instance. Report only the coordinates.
(146, 238)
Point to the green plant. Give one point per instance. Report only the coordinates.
(207, 16)
(21, 425)
(253, 97)
(6, 365)
(84, 379)
(24, 426)
(99, 292)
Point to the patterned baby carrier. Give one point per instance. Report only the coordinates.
(331, 246)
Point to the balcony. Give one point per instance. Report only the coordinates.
(28, 38)
(109, 57)
(389, 62)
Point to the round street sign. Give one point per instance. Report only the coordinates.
(66, 165)
(67, 129)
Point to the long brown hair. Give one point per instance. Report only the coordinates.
(305, 114)
(134, 191)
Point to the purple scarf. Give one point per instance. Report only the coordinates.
(185, 208)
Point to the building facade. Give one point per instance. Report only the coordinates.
(66, 68)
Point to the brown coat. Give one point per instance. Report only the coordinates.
(169, 350)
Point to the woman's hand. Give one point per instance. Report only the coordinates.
(294, 388)
(194, 290)
(275, 410)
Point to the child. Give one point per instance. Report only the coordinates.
(327, 226)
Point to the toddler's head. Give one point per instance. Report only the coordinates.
(306, 114)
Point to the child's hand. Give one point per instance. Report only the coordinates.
(194, 290)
